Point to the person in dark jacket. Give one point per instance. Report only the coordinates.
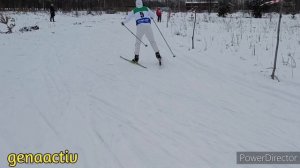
(158, 14)
(52, 13)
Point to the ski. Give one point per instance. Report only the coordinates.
(133, 62)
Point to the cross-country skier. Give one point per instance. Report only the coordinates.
(52, 13)
(143, 16)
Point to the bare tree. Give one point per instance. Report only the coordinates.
(65, 4)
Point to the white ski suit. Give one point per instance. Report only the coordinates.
(143, 17)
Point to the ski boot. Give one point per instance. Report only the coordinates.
(158, 57)
(135, 59)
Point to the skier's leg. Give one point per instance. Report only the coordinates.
(150, 37)
(140, 31)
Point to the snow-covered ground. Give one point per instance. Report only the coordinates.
(65, 87)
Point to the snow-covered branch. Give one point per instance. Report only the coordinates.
(8, 21)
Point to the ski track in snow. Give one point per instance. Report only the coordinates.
(65, 87)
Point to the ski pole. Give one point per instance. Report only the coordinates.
(135, 35)
(163, 37)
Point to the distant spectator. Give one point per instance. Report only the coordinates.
(158, 14)
(52, 13)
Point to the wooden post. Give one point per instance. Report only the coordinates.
(278, 40)
(194, 29)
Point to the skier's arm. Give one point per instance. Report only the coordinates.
(129, 17)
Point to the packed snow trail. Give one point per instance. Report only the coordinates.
(65, 87)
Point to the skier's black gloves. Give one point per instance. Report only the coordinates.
(122, 23)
